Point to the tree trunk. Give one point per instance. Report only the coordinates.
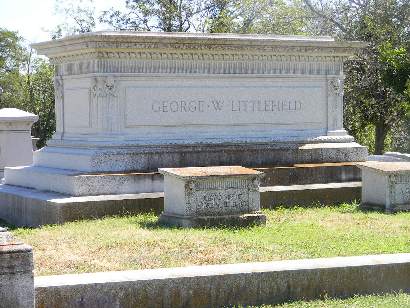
(381, 133)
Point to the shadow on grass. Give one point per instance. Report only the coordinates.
(10, 227)
(342, 206)
(157, 225)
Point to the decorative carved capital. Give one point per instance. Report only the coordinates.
(104, 87)
(190, 185)
(335, 87)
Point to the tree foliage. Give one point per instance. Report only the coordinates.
(159, 15)
(375, 80)
(78, 17)
(12, 54)
(27, 84)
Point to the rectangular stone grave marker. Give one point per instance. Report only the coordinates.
(16, 272)
(386, 185)
(207, 196)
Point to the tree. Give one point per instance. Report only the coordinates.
(12, 54)
(27, 84)
(40, 99)
(370, 99)
(79, 17)
(158, 15)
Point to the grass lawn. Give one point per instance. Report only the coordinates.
(374, 301)
(137, 242)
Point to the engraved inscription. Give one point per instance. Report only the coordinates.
(401, 190)
(201, 105)
(220, 202)
(277, 103)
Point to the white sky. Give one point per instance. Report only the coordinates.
(32, 18)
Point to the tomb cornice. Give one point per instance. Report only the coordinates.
(137, 45)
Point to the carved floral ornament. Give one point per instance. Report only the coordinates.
(336, 87)
(104, 87)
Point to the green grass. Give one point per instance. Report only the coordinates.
(374, 301)
(137, 242)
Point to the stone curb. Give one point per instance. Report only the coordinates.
(228, 285)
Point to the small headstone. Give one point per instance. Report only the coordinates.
(211, 196)
(386, 185)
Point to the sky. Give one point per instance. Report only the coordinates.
(33, 18)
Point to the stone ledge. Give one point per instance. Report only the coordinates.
(230, 284)
(28, 207)
(75, 183)
(148, 158)
(306, 195)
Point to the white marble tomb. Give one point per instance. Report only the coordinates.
(132, 101)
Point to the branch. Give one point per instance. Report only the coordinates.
(323, 15)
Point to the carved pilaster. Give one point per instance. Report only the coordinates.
(59, 105)
(335, 104)
(105, 105)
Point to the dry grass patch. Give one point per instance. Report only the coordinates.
(137, 242)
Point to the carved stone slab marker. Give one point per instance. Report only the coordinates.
(208, 196)
(386, 185)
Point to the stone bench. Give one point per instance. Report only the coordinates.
(386, 185)
(210, 196)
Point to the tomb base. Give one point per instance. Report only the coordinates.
(77, 183)
(146, 158)
(243, 220)
(90, 172)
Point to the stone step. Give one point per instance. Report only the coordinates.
(28, 207)
(76, 183)
(300, 174)
(308, 195)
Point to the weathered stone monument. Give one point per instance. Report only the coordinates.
(209, 196)
(128, 103)
(16, 272)
(386, 185)
(15, 138)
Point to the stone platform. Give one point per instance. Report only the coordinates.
(147, 158)
(76, 183)
(21, 206)
(121, 193)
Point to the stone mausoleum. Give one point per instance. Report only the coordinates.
(128, 103)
